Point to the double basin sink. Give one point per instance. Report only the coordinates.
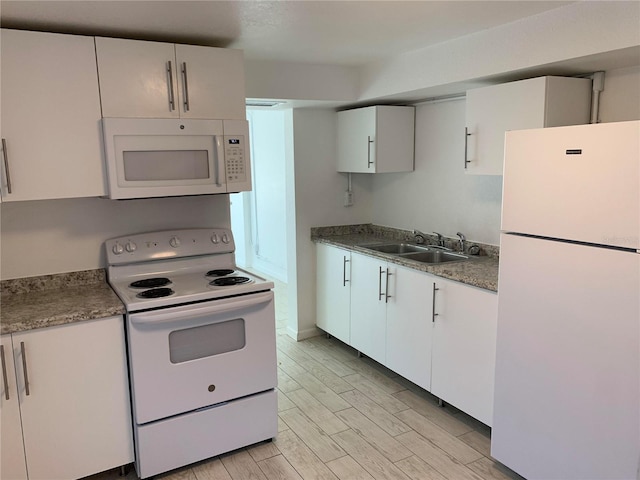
(418, 253)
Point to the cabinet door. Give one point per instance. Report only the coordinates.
(12, 462)
(137, 79)
(333, 291)
(76, 418)
(464, 348)
(356, 140)
(211, 82)
(368, 307)
(50, 117)
(409, 325)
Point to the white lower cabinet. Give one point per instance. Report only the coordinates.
(439, 334)
(464, 347)
(68, 387)
(409, 326)
(368, 306)
(333, 298)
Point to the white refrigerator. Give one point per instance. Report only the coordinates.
(567, 385)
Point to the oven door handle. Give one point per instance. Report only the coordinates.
(194, 311)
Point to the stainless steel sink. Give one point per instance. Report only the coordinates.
(419, 253)
(435, 256)
(397, 248)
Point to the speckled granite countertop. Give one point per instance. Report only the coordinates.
(479, 271)
(37, 302)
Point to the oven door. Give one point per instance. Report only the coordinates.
(192, 356)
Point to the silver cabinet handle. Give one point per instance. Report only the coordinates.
(24, 368)
(4, 373)
(369, 161)
(344, 270)
(172, 100)
(5, 158)
(466, 141)
(380, 284)
(386, 287)
(185, 86)
(433, 303)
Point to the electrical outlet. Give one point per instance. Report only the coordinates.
(348, 199)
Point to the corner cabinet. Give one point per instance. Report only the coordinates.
(51, 137)
(376, 139)
(333, 291)
(532, 103)
(65, 396)
(161, 80)
(465, 322)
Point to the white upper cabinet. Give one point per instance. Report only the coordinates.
(533, 103)
(162, 80)
(376, 139)
(51, 138)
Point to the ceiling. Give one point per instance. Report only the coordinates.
(325, 32)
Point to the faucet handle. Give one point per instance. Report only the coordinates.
(440, 239)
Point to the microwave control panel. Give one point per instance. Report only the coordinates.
(235, 158)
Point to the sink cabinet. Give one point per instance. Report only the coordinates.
(76, 406)
(464, 347)
(163, 80)
(51, 137)
(333, 300)
(376, 139)
(532, 103)
(439, 334)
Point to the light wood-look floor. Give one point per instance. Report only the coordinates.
(349, 418)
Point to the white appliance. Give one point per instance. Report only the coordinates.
(201, 346)
(567, 401)
(151, 157)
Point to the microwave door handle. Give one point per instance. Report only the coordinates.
(189, 312)
(219, 160)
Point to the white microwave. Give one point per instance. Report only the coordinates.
(172, 157)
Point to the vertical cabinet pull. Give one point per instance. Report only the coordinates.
(172, 100)
(369, 161)
(24, 368)
(386, 288)
(433, 303)
(5, 159)
(4, 373)
(380, 294)
(344, 270)
(185, 86)
(466, 142)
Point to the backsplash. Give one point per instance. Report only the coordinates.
(396, 234)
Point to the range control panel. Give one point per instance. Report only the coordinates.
(169, 244)
(235, 158)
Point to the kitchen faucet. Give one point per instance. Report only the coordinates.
(440, 239)
(462, 239)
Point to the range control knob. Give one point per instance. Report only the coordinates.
(174, 242)
(215, 239)
(130, 247)
(117, 249)
(225, 238)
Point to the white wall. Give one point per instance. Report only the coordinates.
(55, 236)
(319, 195)
(620, 100)
(268, 199)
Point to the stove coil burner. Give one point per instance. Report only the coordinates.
(156, 293)
(151, 282)
(227, 281)
(219, 272)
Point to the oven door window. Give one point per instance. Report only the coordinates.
(166, 165)
(206, 340)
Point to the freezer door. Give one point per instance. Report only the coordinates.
(567, 400)
(577, 183)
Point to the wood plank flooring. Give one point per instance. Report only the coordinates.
(342, 417)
